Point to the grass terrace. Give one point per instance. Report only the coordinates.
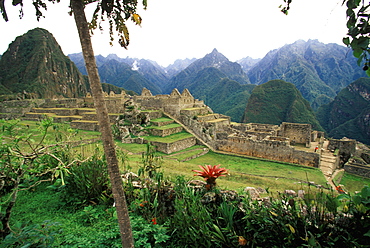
(172, 125)
(169, 139)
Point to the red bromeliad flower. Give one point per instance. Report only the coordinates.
(211, 173)
(154, 221)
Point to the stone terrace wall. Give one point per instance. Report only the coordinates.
(195, 111)
(18, 108)
(176, 146)
(366, 156)
(64, 103)
(165, 132)
(358, 169)
(269, 149)
(153, 114)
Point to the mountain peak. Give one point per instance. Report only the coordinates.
(35, 63)
(214, 50)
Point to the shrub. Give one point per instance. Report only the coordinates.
(88, 183)
(191, 221)
(34, 235)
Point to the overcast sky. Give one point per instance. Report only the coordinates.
(179, 29)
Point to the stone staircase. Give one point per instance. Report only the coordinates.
(328, 164)
(187, 129)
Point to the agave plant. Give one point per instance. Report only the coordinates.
(210, 174)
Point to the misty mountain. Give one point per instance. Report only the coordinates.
(140, 72)
(278, 101)
(318, 70)
(188, 78)
(34, 63)
(217, 81)
(121, 75)
(349, 113)
(150, 70)
(179, 65)
(247, 63)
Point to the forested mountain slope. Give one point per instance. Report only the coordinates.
(278, 101)
(349, 113)
(34, 63)
(318, 70)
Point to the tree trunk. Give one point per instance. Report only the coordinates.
(103, 119)
(8, 210)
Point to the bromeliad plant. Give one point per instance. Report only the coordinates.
(210, 174)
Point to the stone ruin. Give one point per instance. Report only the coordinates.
(172, 103)
(216, 131)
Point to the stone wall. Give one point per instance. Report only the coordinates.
(269, 149)
(347, 146)
(366, 157)
(63, 103)
(166, 131)
(153, 114)
(204, 130)
(195, 111)
(18, 108)
(297, 132)
(85, 125)
(358, 169)
(162, 123)
(171, 104)
(176, 146)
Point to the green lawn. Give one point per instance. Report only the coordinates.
(261, 173)
(162, 119)
(352, 183)
(169, 139)
(243, 171)
(172, 125)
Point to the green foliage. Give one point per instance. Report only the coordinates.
(358, 31)
(149, 234)
(191, 222)
(150, 162)
(33, 235)
(88, 183)
(25, 163)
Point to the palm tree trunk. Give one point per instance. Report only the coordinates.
(103, 119)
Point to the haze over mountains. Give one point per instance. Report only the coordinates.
(316, 73)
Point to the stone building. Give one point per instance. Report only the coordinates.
(171, 103)
(298, 133)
